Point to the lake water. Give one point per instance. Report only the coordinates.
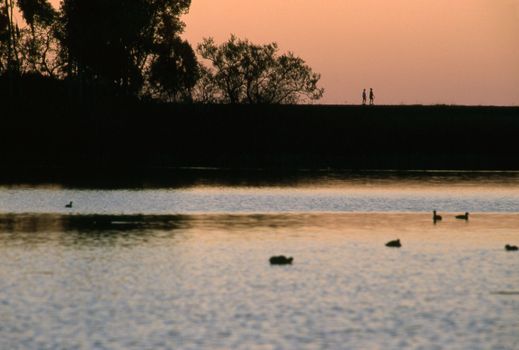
(185, 265)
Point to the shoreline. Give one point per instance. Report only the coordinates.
(149, 137)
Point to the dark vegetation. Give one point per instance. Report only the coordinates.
(137, 135)
(242, 72)
(133, 48)
(109, 86)
(97, 46)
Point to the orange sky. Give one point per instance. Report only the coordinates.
(409, 51)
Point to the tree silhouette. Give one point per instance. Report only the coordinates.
(174, 72)
(37, 12)
(99, 37)
(39, 46)
(243, 72)
(30, 48)
(9, 34)
(134, 48)
(4, 39)
(115, 41)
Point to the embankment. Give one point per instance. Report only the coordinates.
(39, 136)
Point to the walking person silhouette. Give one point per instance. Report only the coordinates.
(364, 97)
(371, 97)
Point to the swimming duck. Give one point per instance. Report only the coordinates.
(511, 248)
(463, 217)
(69, 205)
(436, 217)
(394, 244)
(281, 260)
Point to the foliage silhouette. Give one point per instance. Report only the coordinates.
(37, 12)
(38, 45)
(130, 34)
(9, 34)
(243, 72)
(174, 72)
(4, 39)
(133, 48)
(32, 48)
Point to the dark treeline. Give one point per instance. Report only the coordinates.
(96, 86)
(135, 135)
(117, 47)
(133, 48)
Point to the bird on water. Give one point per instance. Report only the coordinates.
(69, 205)
(436, 217)
(511, 248)
(281, 260)
(394, 244)
(463, 217)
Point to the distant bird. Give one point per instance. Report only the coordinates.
(69, 205)
(281, 260)
(511, 248)
(463, 217)
(394, 244)
(436, 217)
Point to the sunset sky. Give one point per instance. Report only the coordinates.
(409, 51)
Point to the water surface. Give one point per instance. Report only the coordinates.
(336, 192)
(186, 267)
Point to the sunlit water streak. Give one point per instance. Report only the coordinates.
(187, 268)
(346, 197)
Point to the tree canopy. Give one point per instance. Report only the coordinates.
(175, 71)
(134, 48)
(37, 11)
(118, 40)
(243, 72)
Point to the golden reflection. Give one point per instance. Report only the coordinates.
(484, 230)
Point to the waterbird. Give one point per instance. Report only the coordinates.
(281, 260)
(394, 244)
(436, 217)
(511, 248)
(463, 217)
(69, 205)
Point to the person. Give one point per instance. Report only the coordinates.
(371, 97)
(364, 97)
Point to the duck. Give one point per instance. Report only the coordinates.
(69, 205)
(436, 217)
(281, 260)
(394, 244)
(511, 248)
(463, 217)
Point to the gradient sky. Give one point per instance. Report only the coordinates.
(409, 51)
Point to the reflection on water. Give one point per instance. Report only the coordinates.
(489, 230)
(420, 192)
(218, 177)
(183, 264)
(204, 282)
